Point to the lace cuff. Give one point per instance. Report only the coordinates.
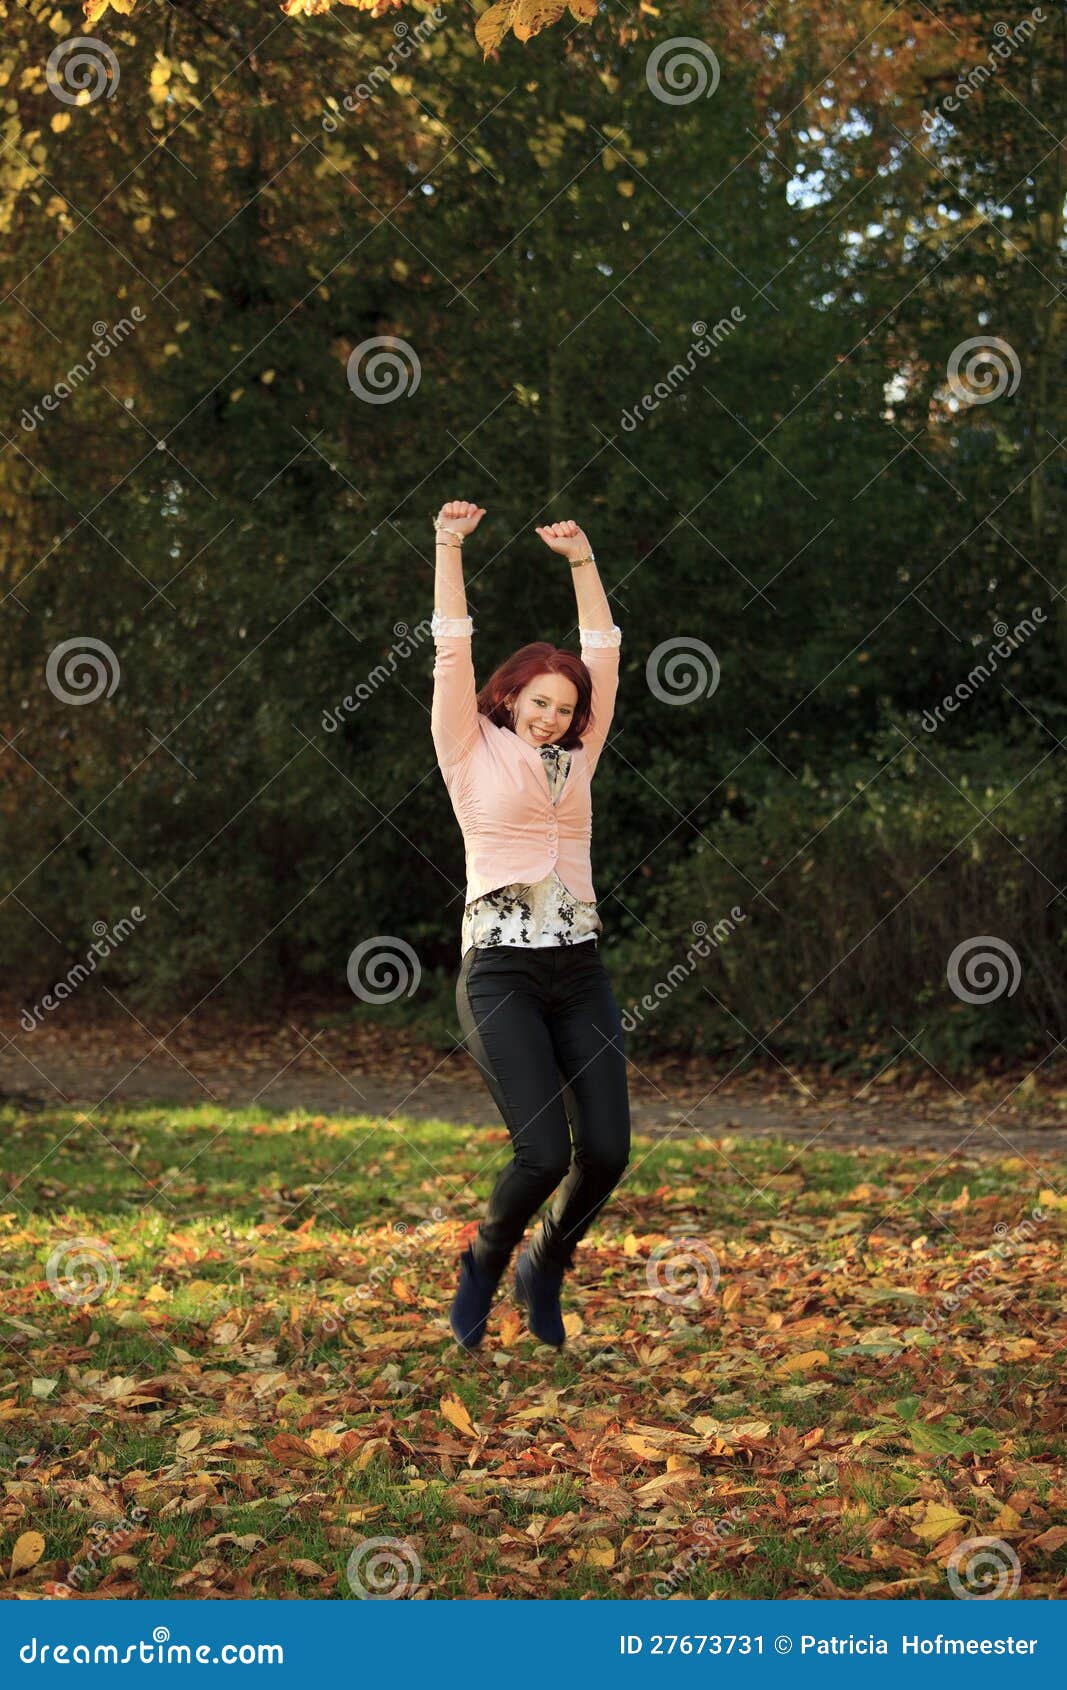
(451, 625)
(596, 638)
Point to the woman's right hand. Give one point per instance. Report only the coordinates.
(460, 515)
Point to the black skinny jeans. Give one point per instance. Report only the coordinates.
(543, 1026)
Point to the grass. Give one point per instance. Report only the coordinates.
(250, 1345)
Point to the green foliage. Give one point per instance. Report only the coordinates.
(251, 537)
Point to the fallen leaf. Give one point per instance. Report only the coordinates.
(455, 1410)
(29, 1548)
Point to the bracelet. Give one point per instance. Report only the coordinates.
(577, 562)
(440, 529)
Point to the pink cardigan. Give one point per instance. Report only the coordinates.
(497, 782)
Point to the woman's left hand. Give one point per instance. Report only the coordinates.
(566, 538)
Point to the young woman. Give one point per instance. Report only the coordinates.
(535, 1004)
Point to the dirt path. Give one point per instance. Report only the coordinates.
(311, 1063)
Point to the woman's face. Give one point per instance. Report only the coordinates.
(548, 704)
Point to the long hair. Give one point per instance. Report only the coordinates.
(518, 670)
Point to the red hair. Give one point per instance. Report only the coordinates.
(520, 669)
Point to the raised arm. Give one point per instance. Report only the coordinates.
(454, 713)
(599, 635)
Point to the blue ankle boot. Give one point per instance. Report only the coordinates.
(537, 1291)
(470, 1306)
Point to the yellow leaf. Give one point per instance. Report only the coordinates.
(187, 1441)
(804, 1362)
(1008, 1520)
(27, 1552)
(626, 189)
(267, 376)
(510, 1327)
(1052, 1200)
(934, 1520)
(630, 1246)
(322, 1442)
(157, 1294)
(456, 1410)
(373, 1447)
(641, 1447)
(61, 121)
(573, 1324)
(596, 1552)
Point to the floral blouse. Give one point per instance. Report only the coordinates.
(542, 914)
